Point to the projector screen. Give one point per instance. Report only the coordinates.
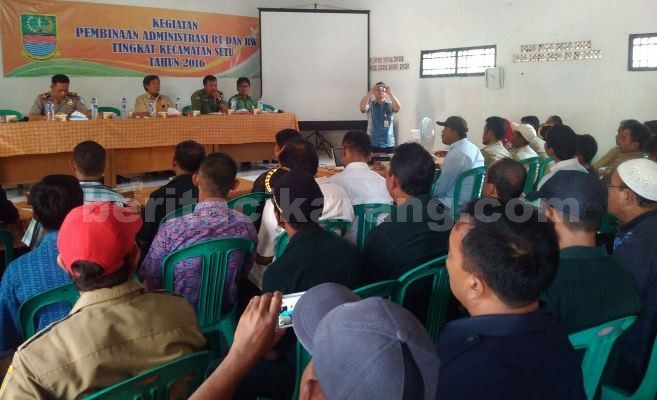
(315, 62)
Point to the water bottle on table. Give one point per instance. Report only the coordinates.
(124, 108)
(50, 110)
(260, 105)
(179, 105)
(94, 108)
(233, 104)
(151, 109)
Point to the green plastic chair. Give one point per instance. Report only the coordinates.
(179, 212)
(436, 175)
(609, 225)
(479, 175)
(250, 204)
(12, 112)
(7, 240)
(303, 358)
(109, 109)
(532, 164)
(156, 383)
(337, 226)
(28, 311)
(386, 289)
(646, 390)
(542, 169)
(268, 107)
(440, 292)
(186, 109)
(214, 254)
(367, 216)
(597, 342)
(280, 244)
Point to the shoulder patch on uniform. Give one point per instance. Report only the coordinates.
(72, 94)
(42, 332)
(44, 96)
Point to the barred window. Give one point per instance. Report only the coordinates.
(642, 52)
(464, 61)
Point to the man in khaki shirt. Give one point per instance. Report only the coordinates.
(64, 102)
(494, 149)
(631, 137)
(152, 87)
(115, 330)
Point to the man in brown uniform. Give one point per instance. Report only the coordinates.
(65, 102)
(115, 330)
(630, 139)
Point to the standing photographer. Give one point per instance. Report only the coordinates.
(379, 104)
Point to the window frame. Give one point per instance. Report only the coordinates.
(630, 51)
(456, 49)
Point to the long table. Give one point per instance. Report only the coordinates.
(28, 151)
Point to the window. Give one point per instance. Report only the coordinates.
(464, 61)
(642, 52)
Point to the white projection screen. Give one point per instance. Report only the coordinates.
(315, 62)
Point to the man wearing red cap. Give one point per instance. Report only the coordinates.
(115, 330)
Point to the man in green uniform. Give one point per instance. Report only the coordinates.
(242, 99)
(209, 99)
(65, 102)
(115, 330)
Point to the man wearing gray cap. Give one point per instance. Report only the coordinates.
(462, 155)
(363, 349)
(590, 287)
(633, 200)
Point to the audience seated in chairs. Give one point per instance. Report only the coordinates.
(418, 230)
(587, 147)
(178, 192)
(299, 154)
(363, 185)
(493, 149)
(211, 219)
(37, 271)
(561, 145)
(633, 200)
(283, 137)
(462, 156)
(590, 287)
(505, 180)
(115, 330)
(507, 348)
(312, 256)
(631, 137)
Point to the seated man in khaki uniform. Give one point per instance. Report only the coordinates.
(152, 87)
(115, 330)
(631, 137)
(65, 102)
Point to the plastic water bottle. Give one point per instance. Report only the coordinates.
(50, 110)
(233, 104)
(260, 105)
(124, 108)
(151, 109)
(94, 108)
(178, 105)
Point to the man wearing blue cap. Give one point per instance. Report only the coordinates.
(590, 287)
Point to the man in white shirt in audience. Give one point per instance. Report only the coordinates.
(522, 136)
(298, 153)
(493, 134)
(561, 145)
(363, 185)
(462, 155)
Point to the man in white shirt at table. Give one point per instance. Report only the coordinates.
(462, 155)
(363, 185)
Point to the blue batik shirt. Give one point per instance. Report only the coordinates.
(25, 277)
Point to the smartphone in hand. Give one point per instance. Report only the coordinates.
(287, 309)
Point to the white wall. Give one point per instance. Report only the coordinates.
(19, 93)
(591, 96)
